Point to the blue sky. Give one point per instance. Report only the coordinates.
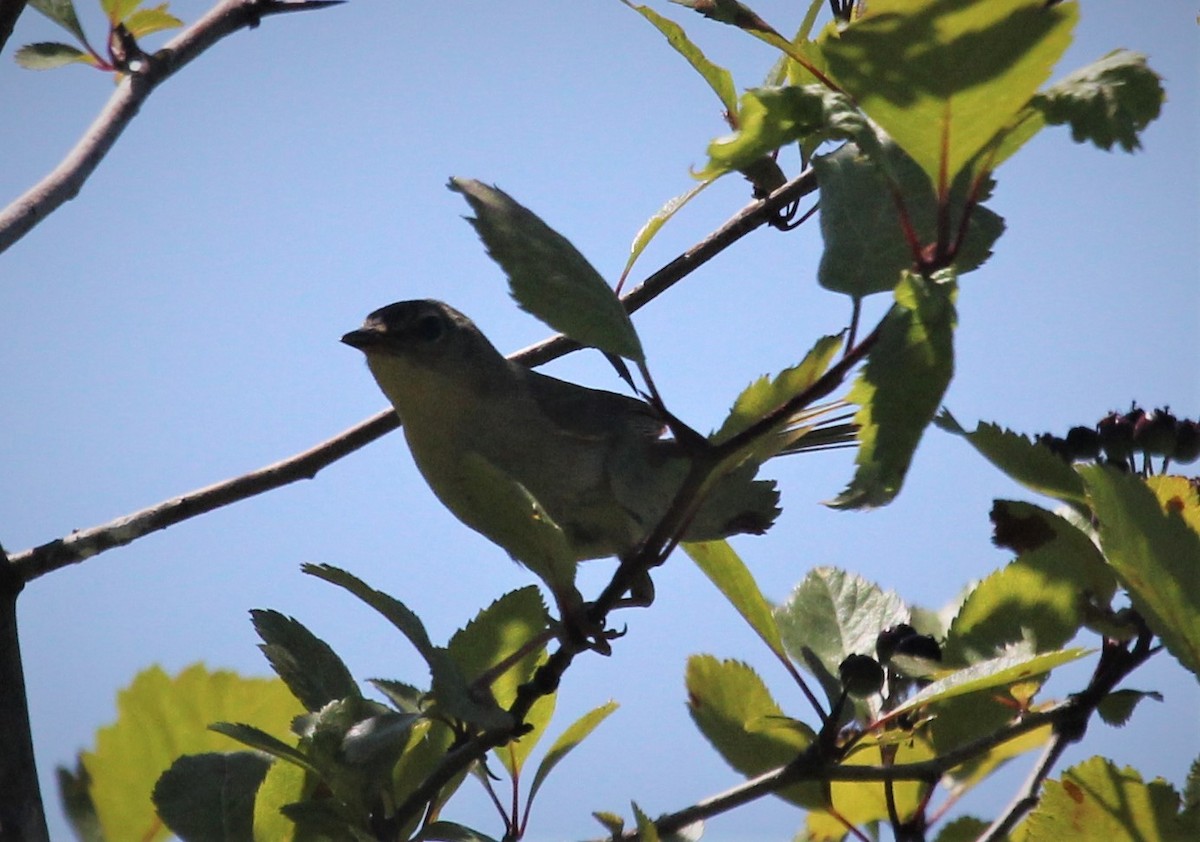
(177, 324)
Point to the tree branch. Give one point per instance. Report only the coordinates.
(21, 814)
(66, 180)
(82, 544)
(10, 10)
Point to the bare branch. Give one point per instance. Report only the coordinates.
(85, 543)
(67, 179)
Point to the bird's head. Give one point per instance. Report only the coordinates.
(425, 349)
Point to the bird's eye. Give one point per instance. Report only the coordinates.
(429, 328)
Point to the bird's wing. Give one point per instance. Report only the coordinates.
(593, 413)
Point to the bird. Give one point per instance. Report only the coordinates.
(595, 464)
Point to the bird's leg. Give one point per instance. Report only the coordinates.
(578, 627)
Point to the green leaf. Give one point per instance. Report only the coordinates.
(718, 78)
(61, 12)
(963, 719)
(1108, 101)
(833, 614)
(1156, 556)
(1041, 596)
(427, 747)
(1096, 800)
(900, 387)
(117, 10)
(547, 275)
(857, 803)
(943, 79)
(284, 784)
(404, 697)
(865, 246)
(160, 718)
(145, 22)
(1032, 465)
(259, 739)
(769, 118)
(211, 796)
(986, 675)
(729, 702)
(655, 223)
(76, 799)
(725, 569)
(767, 394)
(449, 688)
(647, 832)
(46, 55)
(1117, 707)
(567, 741)
(444, 831)
(497, 633)
(962, 829)
(310, 668)
(496, 636)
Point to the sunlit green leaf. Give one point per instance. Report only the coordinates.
(1156, 555)
(860, 802)
(1041, 596)
(718, 78)
(46, 55)
(766, 394)
(834, 614)
(1097, 800)
(1032, 465)
(647, 832)
(506, 627)
(943, 79)
(769, 118)
(729, 573)
(567, 741)
(728, 701)
(655, 223)
(994, 672)
(148, 21)
(160, 718)
(117, 10)
(547, 275)
(284, 784)
(900, 387)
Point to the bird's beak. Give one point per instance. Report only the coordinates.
(363, 339)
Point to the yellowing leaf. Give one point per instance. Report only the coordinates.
(1096, 800)
(1155, 552)
(160, 718)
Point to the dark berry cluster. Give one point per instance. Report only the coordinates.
(1118, 438)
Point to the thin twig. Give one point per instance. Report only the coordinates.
(85, 543)
(66, 180)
